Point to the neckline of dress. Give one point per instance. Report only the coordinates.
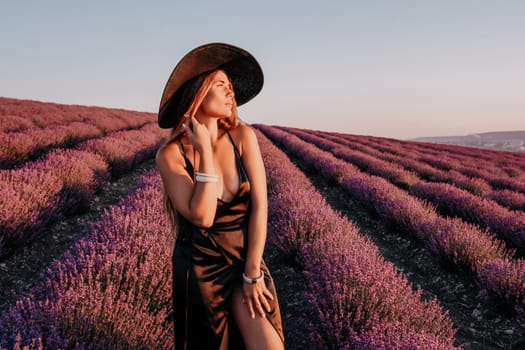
(237, 165)
(239, 176)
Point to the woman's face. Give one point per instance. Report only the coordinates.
(219, 99)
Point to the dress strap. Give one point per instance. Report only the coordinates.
(233, 143)
(189, 166)
(243, 176)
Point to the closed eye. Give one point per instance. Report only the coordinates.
(221, 83)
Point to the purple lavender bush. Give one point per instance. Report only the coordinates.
(510, 199)
(27, 114)
(113, 290)
(363, 161)
(82, 173)
(124, 149)
(506, 278)
(450, 200)
(30, 200)
(43, 191)
(17, 147)
(425, 171)
(12, 123)
(483, 164)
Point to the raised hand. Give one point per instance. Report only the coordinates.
(197, 133)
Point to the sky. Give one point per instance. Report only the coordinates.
(399, 69)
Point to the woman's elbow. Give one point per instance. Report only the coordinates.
(203, 221)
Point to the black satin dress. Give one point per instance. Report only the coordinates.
(207, 265)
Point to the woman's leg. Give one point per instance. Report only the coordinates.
(257, 333)
(224, 342)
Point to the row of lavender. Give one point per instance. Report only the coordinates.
(64, 181)
(459, 244)
(415, 161)
(19, 115)
(509, 162)
(448, 199)
(62, 130)
(112, 291)
(360, 301)
(498, 173)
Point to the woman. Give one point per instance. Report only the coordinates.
(223, 294)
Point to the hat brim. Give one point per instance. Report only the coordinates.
(243, 69)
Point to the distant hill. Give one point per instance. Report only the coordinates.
(500, 140)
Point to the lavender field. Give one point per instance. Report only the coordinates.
(373, 243)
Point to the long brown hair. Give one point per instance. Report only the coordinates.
(206, 80)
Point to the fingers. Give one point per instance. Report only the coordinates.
(257, 300)
(250, 307)
(259, 308)
(193, 124)
(264, 302)
(188, 131)
(186, 126)
(268, 293)
(197, 133)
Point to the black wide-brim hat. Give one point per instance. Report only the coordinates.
(243, 69)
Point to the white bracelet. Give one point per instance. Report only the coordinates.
(206, 179)
(252, 280)
(203, 177)
(207, 175)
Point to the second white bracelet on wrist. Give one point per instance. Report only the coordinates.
(204, 177)
(252, 280)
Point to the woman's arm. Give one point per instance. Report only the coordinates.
(256, 295)
(253, 163)
(197, 201)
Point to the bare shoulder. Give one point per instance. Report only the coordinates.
(244, 136)
(169, 156)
